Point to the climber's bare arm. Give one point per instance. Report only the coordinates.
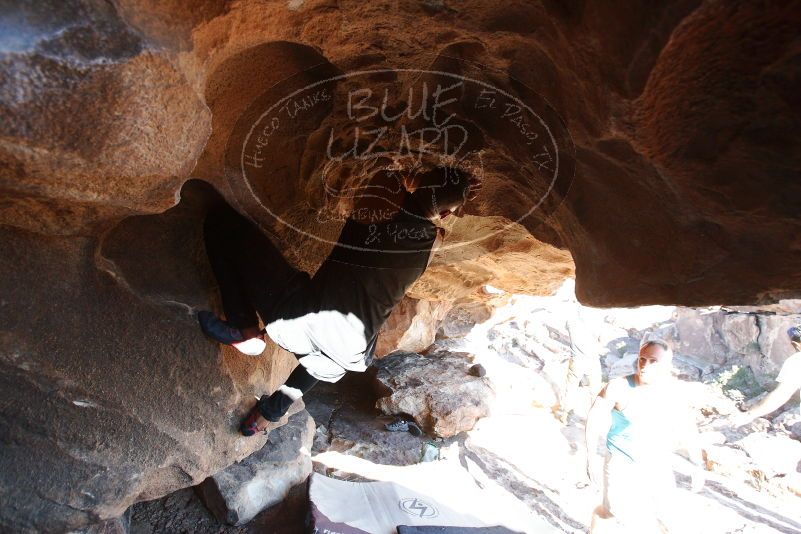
(772, 402)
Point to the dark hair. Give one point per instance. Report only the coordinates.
(795, 333)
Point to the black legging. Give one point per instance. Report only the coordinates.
(253, 277)
(276, 405)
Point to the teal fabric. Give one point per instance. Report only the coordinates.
(620, 438)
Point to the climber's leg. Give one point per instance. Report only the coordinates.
(252, 276)
(271, 408)
(221, 232)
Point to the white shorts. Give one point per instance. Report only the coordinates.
(327, 343)
(638, 492)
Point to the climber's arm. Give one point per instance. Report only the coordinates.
(772, 402)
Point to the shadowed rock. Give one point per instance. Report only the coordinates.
(678, 126)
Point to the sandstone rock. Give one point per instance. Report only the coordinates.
(673, 135)
(783, 306)
(523, 351)
(461, 319)
(411, 327)
(435, 390)
(239, 492)
(117, 95)
(109, 389)
(354, 427)
(719, 337)
(98, 123)
(686, 369)
(740, 333)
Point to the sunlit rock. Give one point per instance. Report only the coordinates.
(436, 390)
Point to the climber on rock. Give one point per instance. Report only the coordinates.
(643, 422)
(789, 381)
(329, 321)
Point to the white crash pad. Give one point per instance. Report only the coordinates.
(429, 494)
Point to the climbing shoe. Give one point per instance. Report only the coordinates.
(221, 332)
(254, 422)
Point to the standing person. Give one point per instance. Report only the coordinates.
(330, 321)
(789, 381)
(643, 423)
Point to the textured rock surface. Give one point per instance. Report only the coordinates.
(348, 422)
(241, 491)
(183, 511)
(462, 317)
(109, 107)
(98, 123)
(436, 390)
(684, 119)
(118, 525)
(110, 393)
(411, 326)
(722, 337)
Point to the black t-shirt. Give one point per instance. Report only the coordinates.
(372, 266)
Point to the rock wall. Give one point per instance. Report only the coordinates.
(109, 394)
(724, 337)
(655, 145)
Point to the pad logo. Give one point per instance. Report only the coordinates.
(418, 508)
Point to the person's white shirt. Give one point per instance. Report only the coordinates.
(790, 373)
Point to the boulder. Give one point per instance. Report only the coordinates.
(109, 108)
(239, 492)
(461, 319)
(110, 392)
(774, 345)
(477, 370)
(411, 326)
(436, 390)
(698, 334)
(349, 424)
(716, 337)
(624, 366)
